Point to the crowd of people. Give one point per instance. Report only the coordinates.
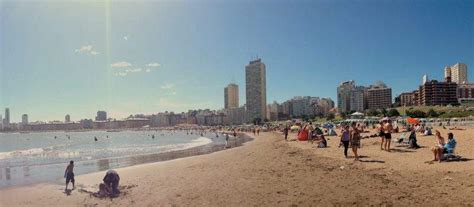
(350, 137)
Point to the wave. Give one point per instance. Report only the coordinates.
(18, 153)
(54, 152)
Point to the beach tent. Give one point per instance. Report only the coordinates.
(328, 125)
(413, 120)
(332, 132)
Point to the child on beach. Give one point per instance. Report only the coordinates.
(69, 175)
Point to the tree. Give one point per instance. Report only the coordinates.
(257, 121)
(416, 114)
(372, 112)
(330, 116)
(432, 113)
(343, 115)
(384, 112)
(393, 112)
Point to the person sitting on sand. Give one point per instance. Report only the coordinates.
(427, 132)
(412, 140)
(69, 175)
(450, 145)
(438, 149)
(322, 142)
(111, 181)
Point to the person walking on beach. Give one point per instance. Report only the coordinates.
(345, 138)
(285, 131)
(381, 134)
(388, 135)
(69, 175)
(226, 139)
(355, 140)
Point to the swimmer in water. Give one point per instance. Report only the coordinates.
(95, 138)
(153, 136)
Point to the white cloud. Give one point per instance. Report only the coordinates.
(135, 70)
(155, 65)
(148, 70)
(122, 64)
(87, 49)
(167, 86)
(120, 74)
(126, 37)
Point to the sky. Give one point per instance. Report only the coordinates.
(144, 57)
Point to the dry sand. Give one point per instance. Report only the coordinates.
(271, 172)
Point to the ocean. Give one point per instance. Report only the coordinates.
(28, 158)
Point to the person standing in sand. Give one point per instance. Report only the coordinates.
(355, 140)
(285, 131)
(381, 134)
(388, 134)
(345, 138)
(69, 175)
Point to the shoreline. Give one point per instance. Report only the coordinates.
(97, 165)
(271, 172)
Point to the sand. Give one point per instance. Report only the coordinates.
(271, 172)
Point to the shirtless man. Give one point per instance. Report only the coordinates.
(69, 174)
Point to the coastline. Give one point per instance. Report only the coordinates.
(271, 172)
(95, 165)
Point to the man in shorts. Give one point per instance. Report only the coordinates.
(69, 174)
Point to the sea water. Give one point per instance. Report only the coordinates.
(27, 158)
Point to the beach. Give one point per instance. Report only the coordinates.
(269, 171)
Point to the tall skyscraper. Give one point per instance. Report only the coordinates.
(67, 118)
(457, 72)
(256, 90)
(344, 96)
(231, 96)
(6, 121)
(24, 119)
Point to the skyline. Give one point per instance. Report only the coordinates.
(175, 56)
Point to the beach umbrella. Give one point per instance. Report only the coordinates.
(328, 125)
(413, 120)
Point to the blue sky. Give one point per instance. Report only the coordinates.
(63, 57)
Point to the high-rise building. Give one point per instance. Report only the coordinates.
(356, 100)
(379, 96)
(231, 96)
(408, 99)
(101, 116)
(256, 90)
(457, 72)
(434, 93)
(24, 119)
(67, 118)
(344, 96)
(6, 121)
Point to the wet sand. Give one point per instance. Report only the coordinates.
(271, 172)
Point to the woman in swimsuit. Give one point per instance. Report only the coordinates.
(355, 140)
(381, 134)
